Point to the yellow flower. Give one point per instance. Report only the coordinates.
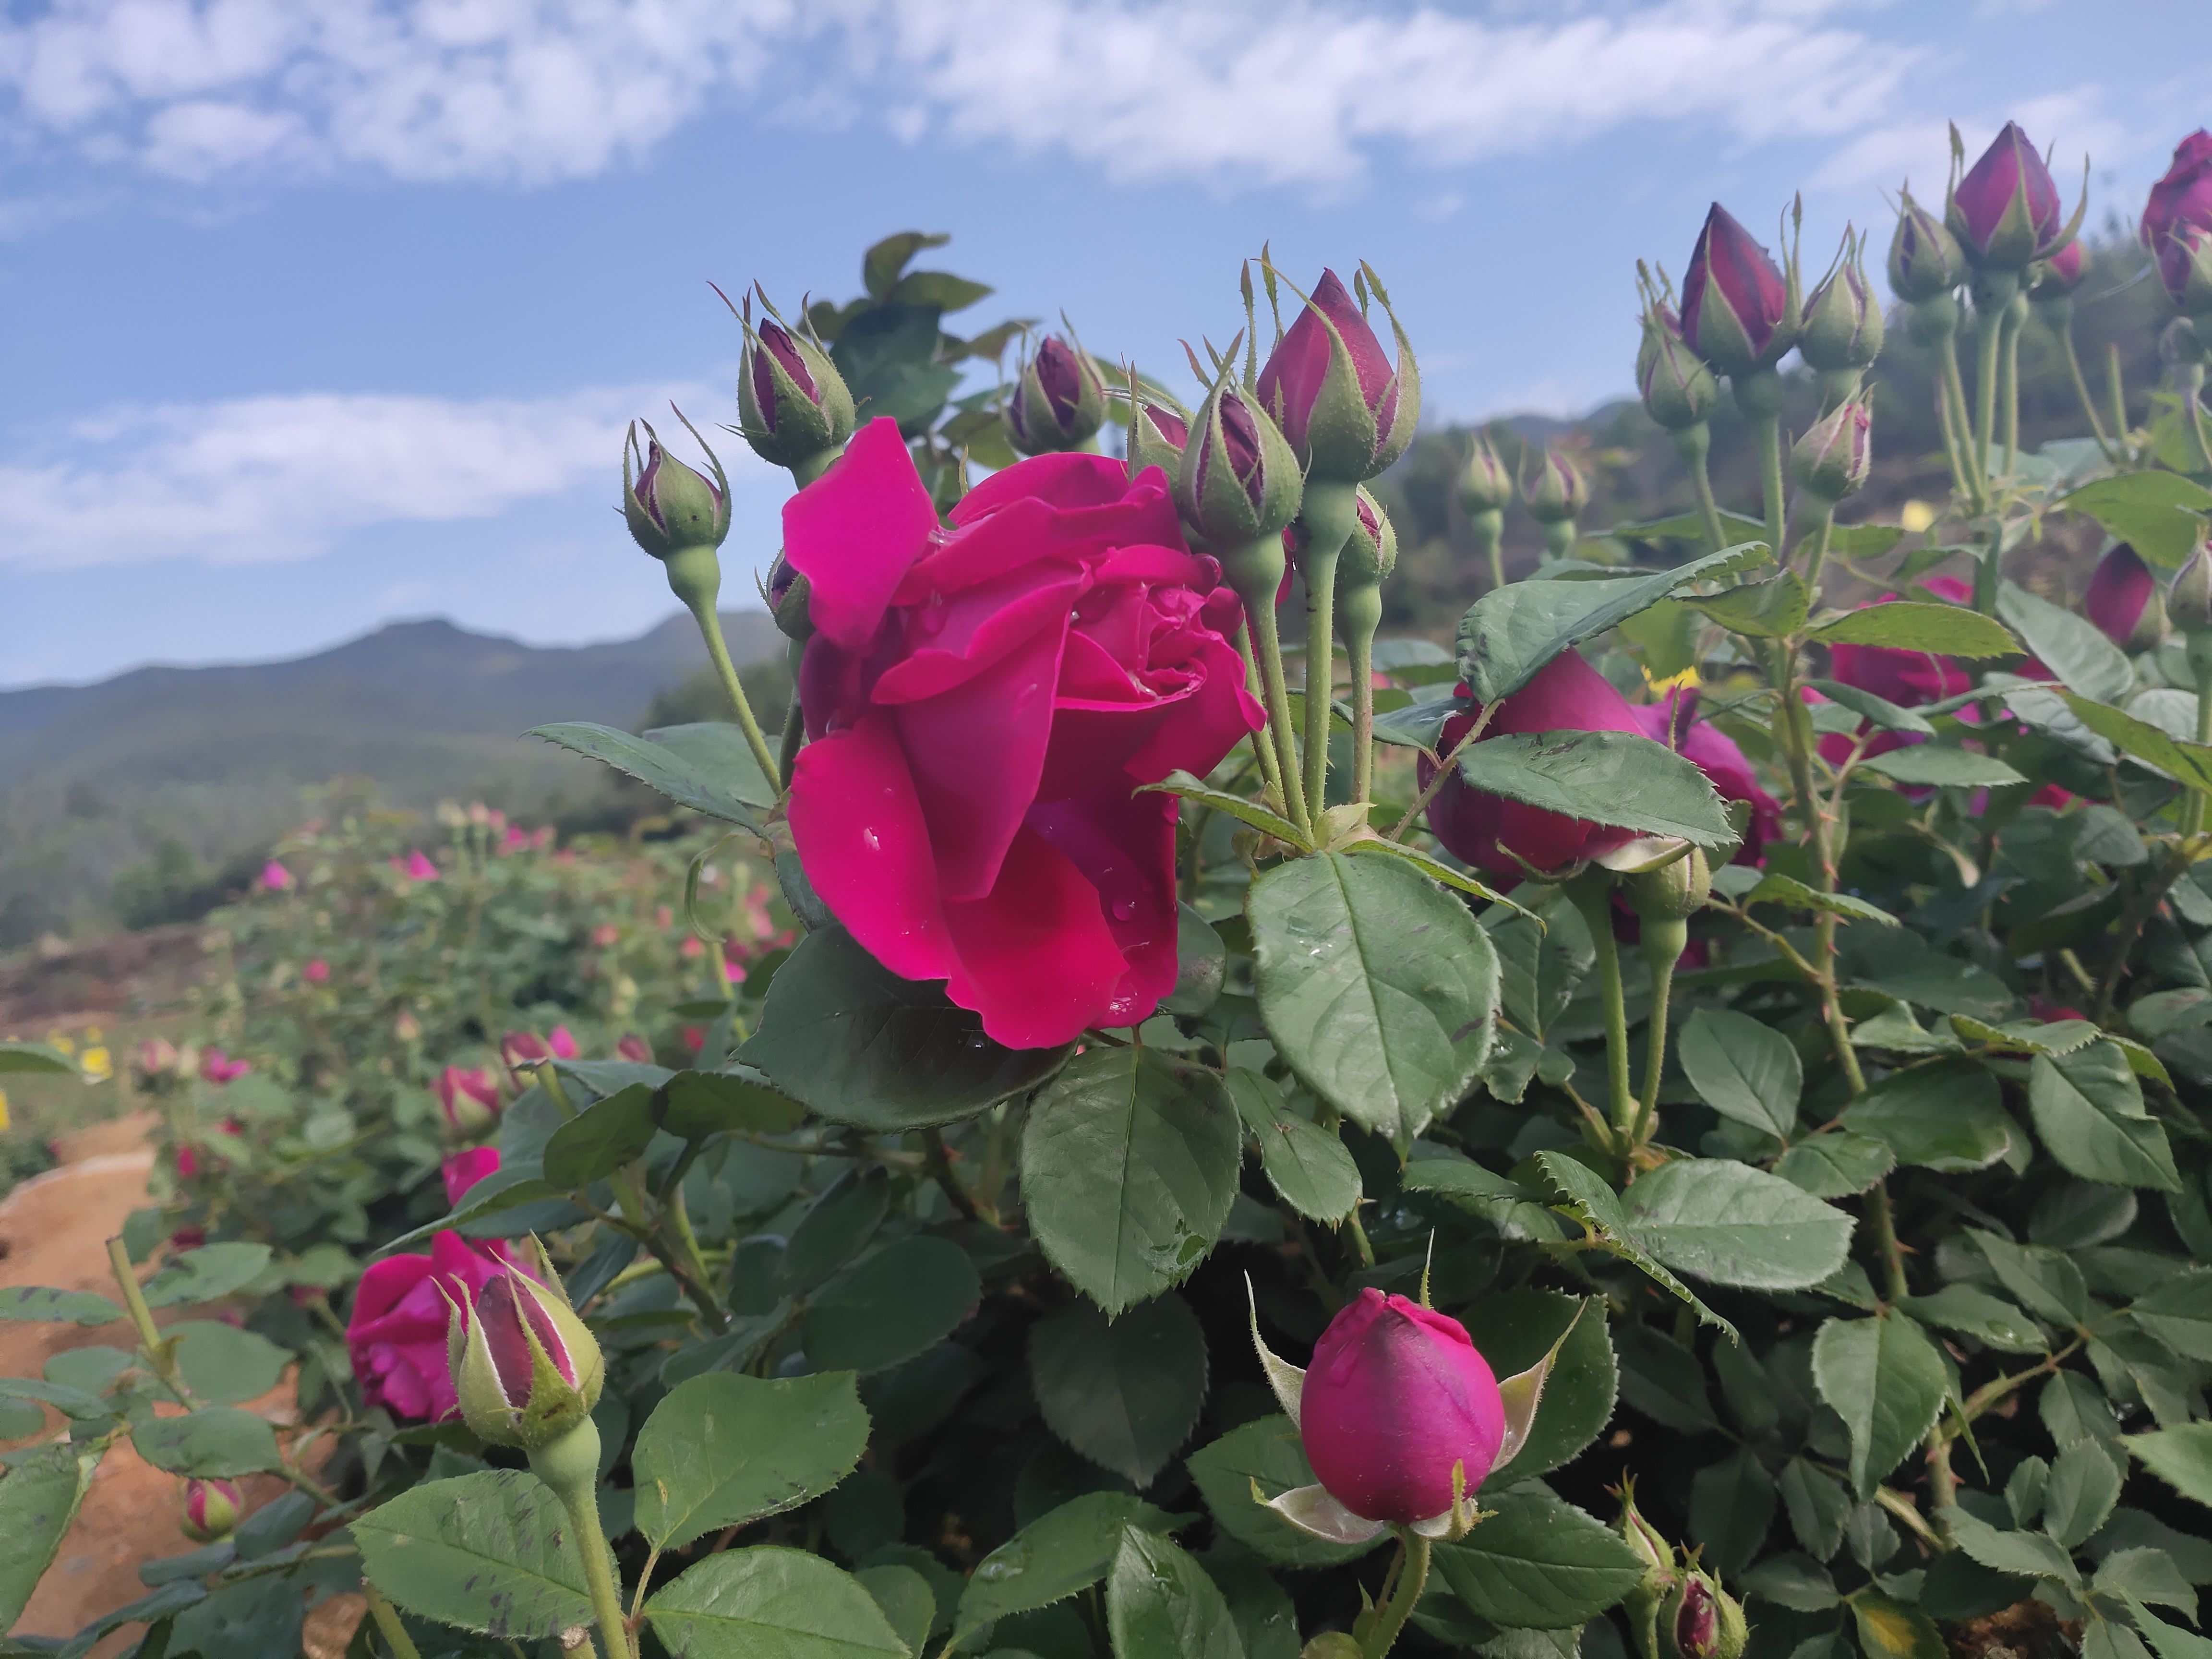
(55, 1040)
(98, 1064)
(1916, 516)
(3, 1111)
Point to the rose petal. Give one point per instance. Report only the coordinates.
(854, 541)
(1034, 956)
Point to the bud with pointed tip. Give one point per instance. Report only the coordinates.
(524, 1366)
(1832, 458)
(469, 1097)
(1673, 891)
(2006, 212)
(1238, 483)
(1661, 1572)
(1677, 388)
(793, 407)
(1843, 322)
(1485, 485)
(669, 506)
(2184, 269)
(1058, 403)
(1370, 553)
(1736, 309)
(2122, 601)
(1347, 413)
(212, 1510)
(1925, 260)
(2189, 602)
(1158, 431)
(1558, 491)
(1701, 1620)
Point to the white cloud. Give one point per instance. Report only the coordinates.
(2069, 124)
(1231, 91)
(285, 478)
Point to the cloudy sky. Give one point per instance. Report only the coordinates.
(318, 313)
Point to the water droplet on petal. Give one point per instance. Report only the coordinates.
(871, 841)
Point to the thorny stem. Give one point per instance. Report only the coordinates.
(1692, 443)
(710, 628)
(1939, 357)
(387, 1623)
(1326, 521)
(2141, 908)
(1591, 893)
(1489, 526)
(938, 1161)
(2082, 392)
(1993, 296)
(1883, 1225)
(1263, 749)
(1954, 396)
(1450, 763)
(1820, 549)
(1767, 430)
(1412, 1576)
(163, 1361)
(2115, 386)
(1267, 645)
(570, 1465)
(1361, 609)
(2008, 384)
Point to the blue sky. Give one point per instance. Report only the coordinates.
(318, 313)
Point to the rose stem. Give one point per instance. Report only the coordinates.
(2082, 392)
(570, 1465)
(1692, 443)
(1413, 1575)
(1998, 288)
(1591, 893)
(387, 1622)
(1262, 750)
(2008, 381)
(1359, 610)
(1759, 395)
(1327, 518)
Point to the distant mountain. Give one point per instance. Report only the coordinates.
(194, 767)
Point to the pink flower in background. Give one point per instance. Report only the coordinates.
(634, 1048)
(605, 933)
(733, 967)
(462, 1170)
(2122, 600)
(694, 1038)
(188, 1162)
(561, 1043)
(1907, 678)
(416, 866)
(316, 972)
(515, 839)
(397, 1335)
(1673, 721)
(470, 1099)
(664, 917)
(275, 877)
(692, 949)
(217, 1068)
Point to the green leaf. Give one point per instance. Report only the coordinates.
(1514, 1329)
(2072, 647)
(1161, 1605)
(2088, 1111)
(2188, 764)
(1731, 1508)
(1771, 610)
(904, 1598)
(1060, 1552)
(216, 1440)
(1730, 1223)
(881, 265)
(705, 775)
(492, 1552)
(1887, 1381)
(2161, 515)
(1378, 988)
(1129, 1165)
(2182, 1457)
(602, 1138)
(2046, 1282)
(695, 1105)
(1792, 1581)
(1742, 1069)
(1775, 888)
(1817, 1503)
(56, 1307)
(1307, 1167)
(724, 1450)
(836, 1228)
(1620, 778)
(938, 288)
(1197, 791)
(205, 1274)
(1266, 1452)
(1888, 1630)
(1836, 1164)
(768, 1602)
(1201, 964)
(1125, 1393)
(1420, 725)
(1511, 632)
(861, 1046)
(223, 1364)
(1538, 1564)
(1990, 1320)
(2168, 1641)
(1435, 869)
(888, 355)
(1598, 1208)
(39, 1499)
(2084, 1485)
(1947, 1116)
(897, 1303)
(1663, 1379)
(1936, 764)
(1951, 630)
(34, 1058)
(2030, 1554)
(1879, 710)
(2179, 1313)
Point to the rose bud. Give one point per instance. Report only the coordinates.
(635, 1049)
(1642, 1604)
(2180, 202)
(2184, 268)
(1842, 332)
(2189, 601)
(1677, 388)
(519, 1049)
(524, 1368)
(2006, 211)
(1555, 496)
(1736, 311)
(1701, 1620)
(1157, 433)
(462, 1170)
(1058, 403)
(1832, 458)
(1485, 485)
(1239, 487)
(212, 1510)
(1925, 260)
(2122, 601)
(793, 406)
(1346, 412)
(1509, 838)
(678, 516)
(316, 972)
(1397, 1399)
(469, 1100)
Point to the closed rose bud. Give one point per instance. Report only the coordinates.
(635, 1049)
(524, 1367)
(212, 1510)
(1346, 410)
(1642, 1604)
(793, 406)
(1701, 1620)
(1485, 485)
(1842, 331)
(669, 507)
(788, 594)
(2184, 268)
(1735, 299)
(1058, 403)
(462, 1170)
(1677, 388)
(469, 1100)
(1673, 891)
(1558, 491)
(1397, 1399)
(2189, 602)
(1925, 260)
(2122, 601)
(518, 1049)
(2179, 203)
(1157, 433)
(1239, 483)
(2006, 211)
(1832, 458)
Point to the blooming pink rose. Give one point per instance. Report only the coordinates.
(1395, 1397)
(417, 866)
(316, 972)
(1505, 837)
(275, 877)
(1907, 678)
(217, 1068)
(1673, 721)
(188, 1162)
(984, 701)
(605, 933)
(462, 1170)
(397, 1336)
(692, 949)
(516, 839)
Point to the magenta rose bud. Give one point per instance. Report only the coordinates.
(462, 1170)
(1735, 299)
(2006, 210)
(1331, 387)
(469, 1098)
(525, 1370)
(2122, 601)
(1507, 838)
(1925, 260)
(1058, 403)
(212, 1510)
(1157, 433)
(1397, 1398)
(793, 406)
(2184, 195)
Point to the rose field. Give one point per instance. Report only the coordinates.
(1181, 1097)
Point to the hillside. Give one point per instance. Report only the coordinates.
(178, 775)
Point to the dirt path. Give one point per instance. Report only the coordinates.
(54, 1230)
